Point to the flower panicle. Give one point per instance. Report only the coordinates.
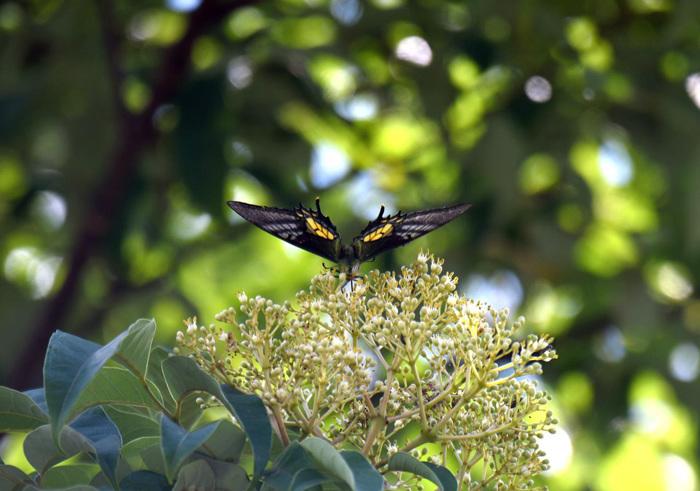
(361, 365)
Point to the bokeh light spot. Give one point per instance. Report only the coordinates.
(502, 289)
(670, 280)
(10, 16)
(12, 179)
(304, 33)
(365, 197)
(335, 76)
(615, 163)
(414, 49)
(239, 72)
(50, 208)
(188, 226)
(678, 474)
(538, 173)
(183, 5)
(684, 362)
(692, 87)
(558, 449)
(538, 89)
(610, 345)
(30, 268)
(157, 26)
(346, 12)
(329, 164)
(245, 22)
(361, 107)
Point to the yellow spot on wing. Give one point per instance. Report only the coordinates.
(319, 230)
(379, 233)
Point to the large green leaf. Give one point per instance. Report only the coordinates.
(156, 379)
(307, 479)
(135, 349)
(144, 480)
(144, 454)
(113, 385)
(367, 478)
(288, 464)
(329, 461)
(226, 443)
(443, 478)
(229, 476)
(178, 444)
(96, 427)
(315, 461)
(72, 363)
(64, 476)
(132, 424)
(184, 377)
(12, 478)
(43, 453)
(250, 412)
(195, 475)
(190, 411)
(18, 412)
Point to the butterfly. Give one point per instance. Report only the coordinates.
(313, 231)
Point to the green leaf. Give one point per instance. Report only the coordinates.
(366, 476)
(41, 450)
(142, 480)
(229, 477)
(250, 412)
(96, 427)
(184, 377)
(448, 480)
(12, 478)
(63, 476)
(177, 443)
(133, 453)
(288, 464)
(65, 357)
(306, 479)
(113, 385)
(39, 397)
(72, 363)
(328, 460)
(195, 475)
(154, 459)
(226, 443)
(132, 424)
(18, 412)
(404, 462)
(156, 379)
(190, 411)
(135, 349)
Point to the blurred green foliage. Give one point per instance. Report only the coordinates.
(571, 126)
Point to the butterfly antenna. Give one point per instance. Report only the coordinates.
(318, 205)
(381, 213)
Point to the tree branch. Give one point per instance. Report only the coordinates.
(136, 133)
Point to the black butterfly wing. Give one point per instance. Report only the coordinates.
(385, 233)
(302, 227)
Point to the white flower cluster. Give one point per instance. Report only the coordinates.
(395, 363)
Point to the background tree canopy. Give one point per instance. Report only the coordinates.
(572, 127)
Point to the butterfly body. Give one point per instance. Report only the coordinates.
(312, 231)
